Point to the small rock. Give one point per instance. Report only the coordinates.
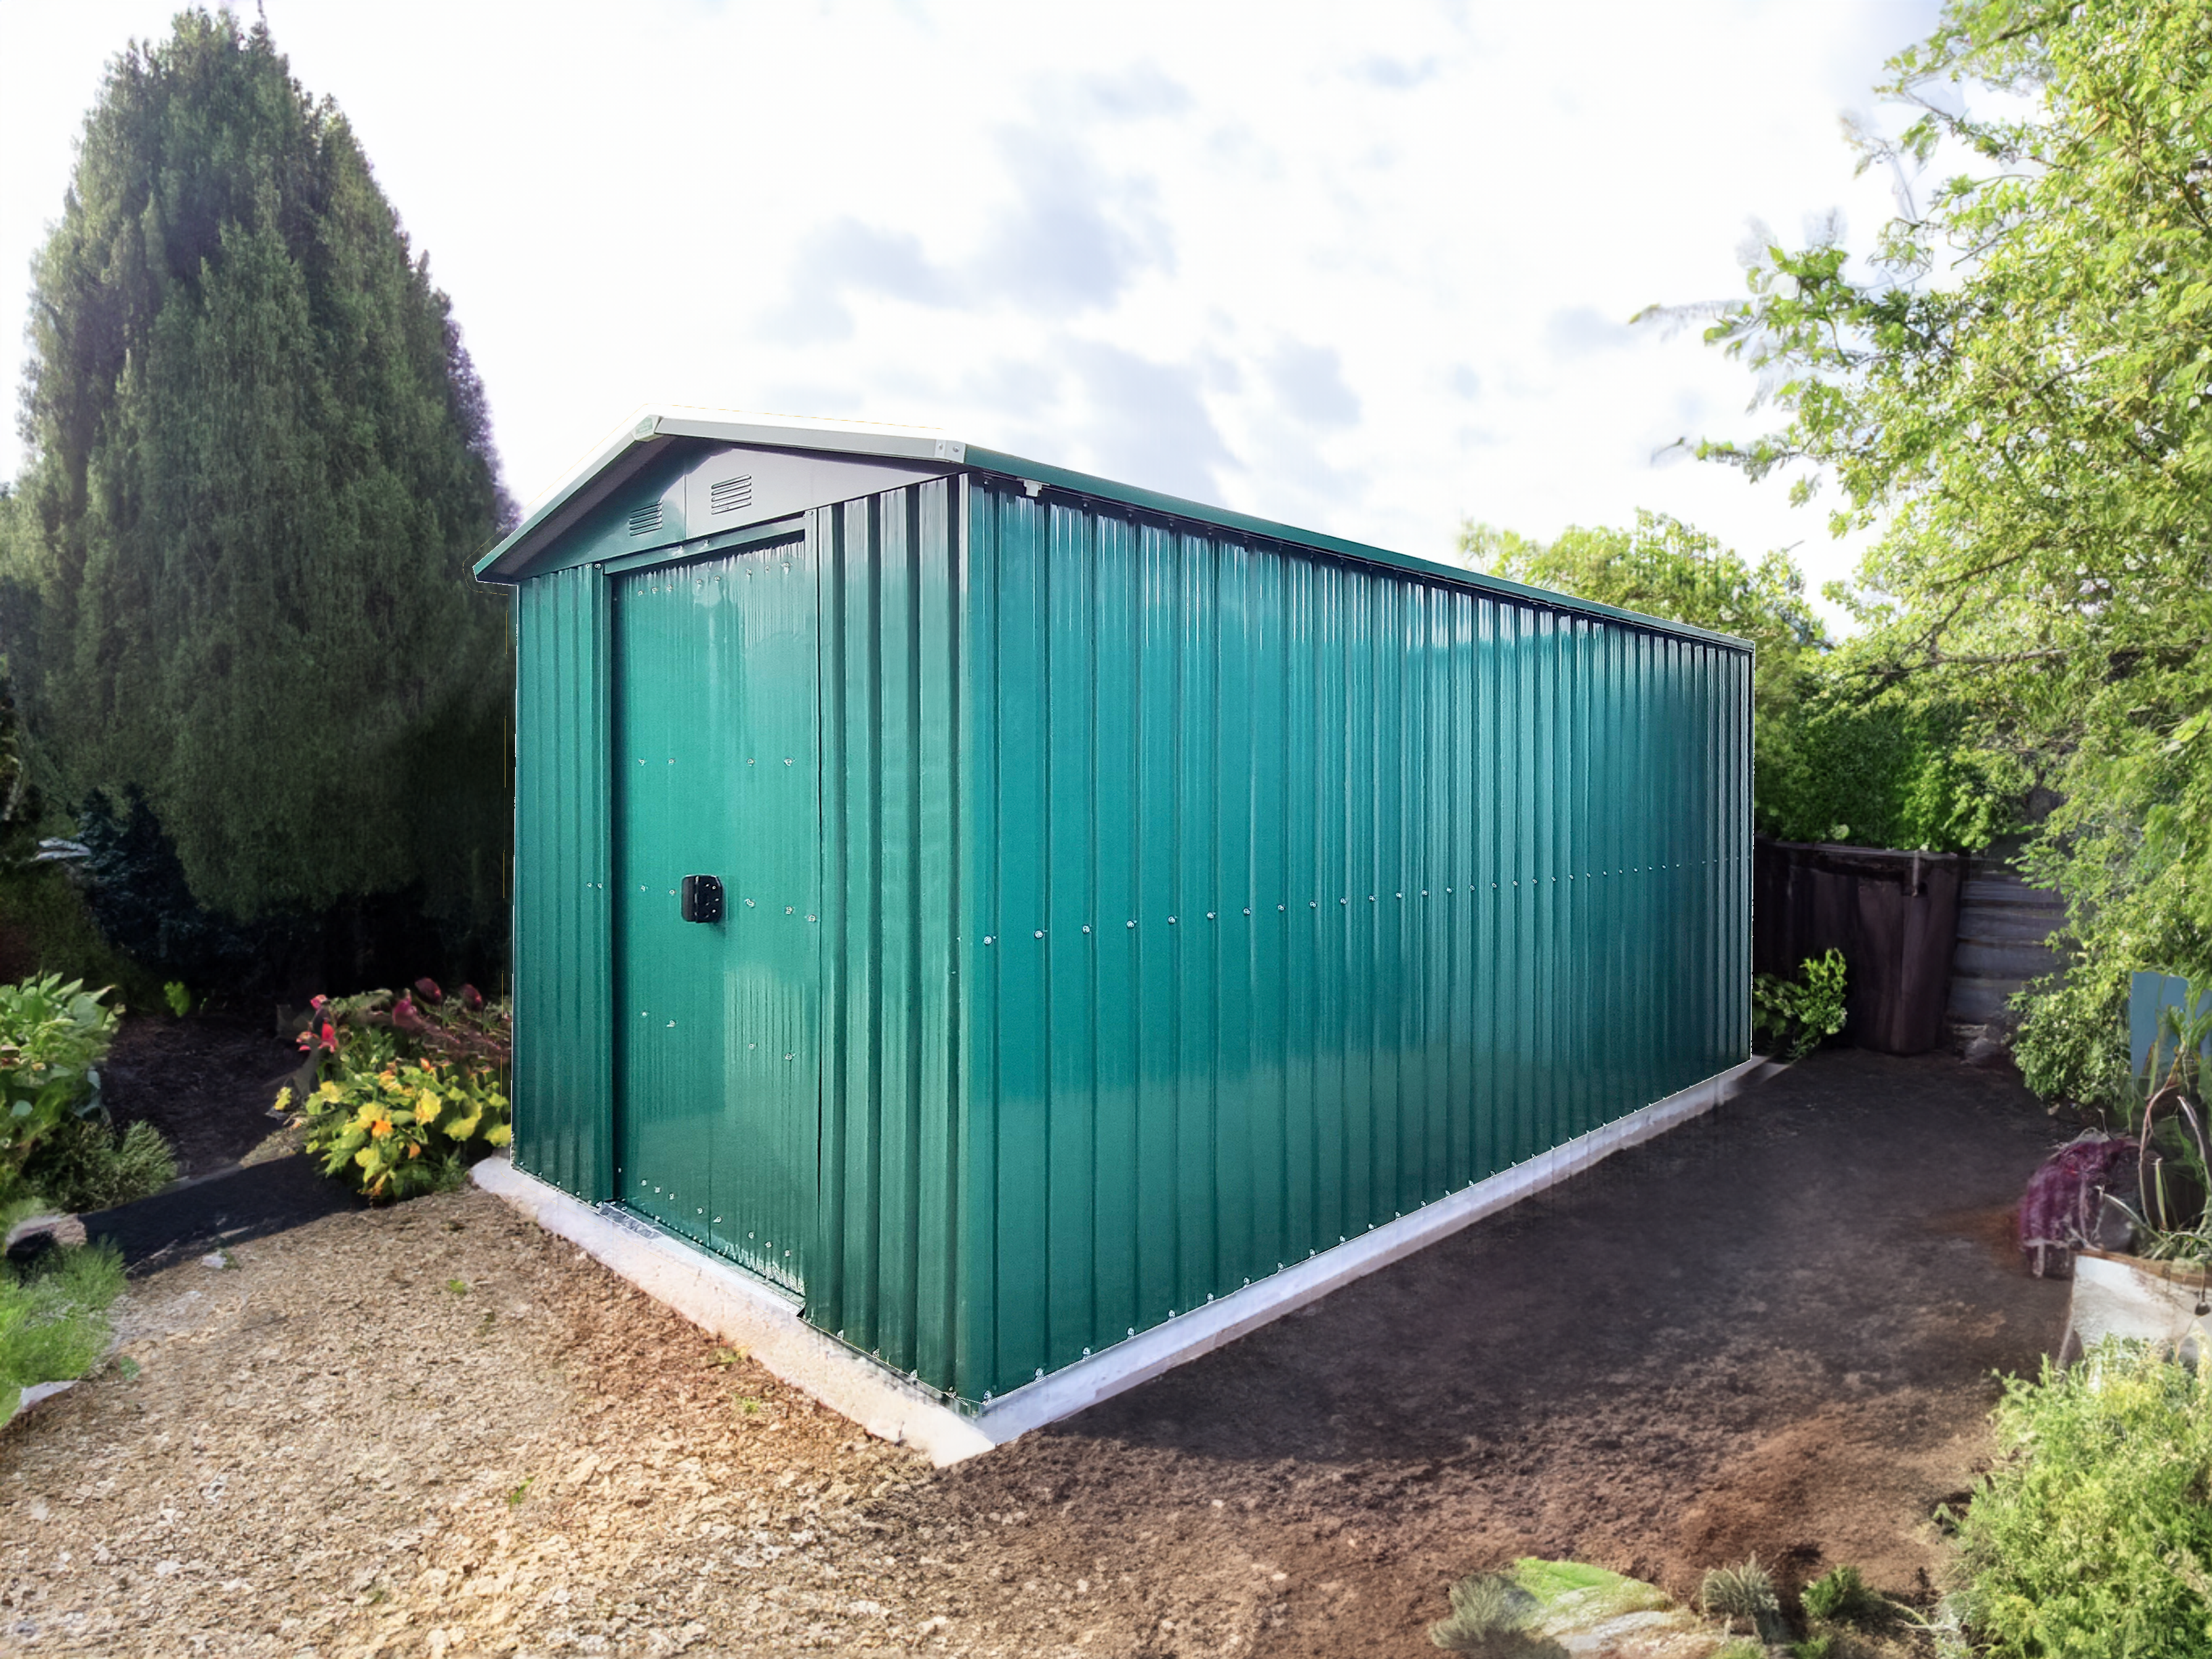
(63, 1230)
(217, 1260)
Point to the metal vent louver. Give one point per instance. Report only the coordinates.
(645, 520)
(731, 494)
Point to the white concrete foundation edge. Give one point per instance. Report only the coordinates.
(749, 1313)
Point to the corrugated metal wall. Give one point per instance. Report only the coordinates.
(563, 965)
(1297, 894)
(883, 1275)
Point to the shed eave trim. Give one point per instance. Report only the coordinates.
(1082, 484)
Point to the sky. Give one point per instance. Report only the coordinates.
(1367, 268)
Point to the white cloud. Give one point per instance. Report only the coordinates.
(1365, 269)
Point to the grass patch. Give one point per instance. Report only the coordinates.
(53, 1318)
(1591, 1589)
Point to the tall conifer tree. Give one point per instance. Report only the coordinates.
(260, 462)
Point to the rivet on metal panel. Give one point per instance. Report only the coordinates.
(1248, 909)
(1086, 1353)
(1344, 900)
(1086, 926)
(1282, 907)
(987, 938)
(1171, 921)
(810, 918)
(1132, 924)
(1039, 933)
(787, 909)
(1133, 1330)
(1397, 896)
(1209, 915)
(1040, 1370)
(1370, 898)
(748, 904)
(1424, 891)
(749, 761)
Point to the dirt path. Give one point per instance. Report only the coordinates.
(434, 1431)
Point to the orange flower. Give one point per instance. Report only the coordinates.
(380, 1129)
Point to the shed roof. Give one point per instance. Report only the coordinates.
(639, 442)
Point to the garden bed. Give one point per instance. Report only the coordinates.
(206, 1081)
(1775, 1330)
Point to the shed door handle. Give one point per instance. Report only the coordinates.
(702, 898)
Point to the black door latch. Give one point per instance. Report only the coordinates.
(702, 898)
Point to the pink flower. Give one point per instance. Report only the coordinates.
(430, 990)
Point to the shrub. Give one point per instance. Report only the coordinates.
(406, 1090)
(1792, 1019)
(1841, 1596)
(86, 1165)
(54, 1034)
(53, 1318)
(2092, 1536)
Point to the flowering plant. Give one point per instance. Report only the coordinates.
(400, 1094)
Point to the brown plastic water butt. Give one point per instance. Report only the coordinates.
(1894, 916)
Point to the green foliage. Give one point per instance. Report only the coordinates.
(1841, 1596)
(2014, 392)
(54, 1034)
(179, 998)
(2092, 1536)
(86, 1165)
(53, 1318)
(1794, 1018)
(1883, 768)
(260, 462)
(1744, 1592)
(409, 1090)
(1490, 1616)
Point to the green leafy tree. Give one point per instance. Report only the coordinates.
(259, 460)
(2014, 388)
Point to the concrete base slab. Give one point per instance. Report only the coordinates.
(747, 1311)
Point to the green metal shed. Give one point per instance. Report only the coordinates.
(1121, 901)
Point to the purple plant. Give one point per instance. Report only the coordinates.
(2065, 1199)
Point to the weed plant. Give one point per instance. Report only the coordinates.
(53, 1318)
(1793, 1018)
(2093, 1535)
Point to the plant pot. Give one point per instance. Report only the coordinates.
(2128, 1296)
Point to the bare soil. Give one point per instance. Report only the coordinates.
(435, 1431)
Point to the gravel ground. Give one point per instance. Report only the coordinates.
(435, 1430)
